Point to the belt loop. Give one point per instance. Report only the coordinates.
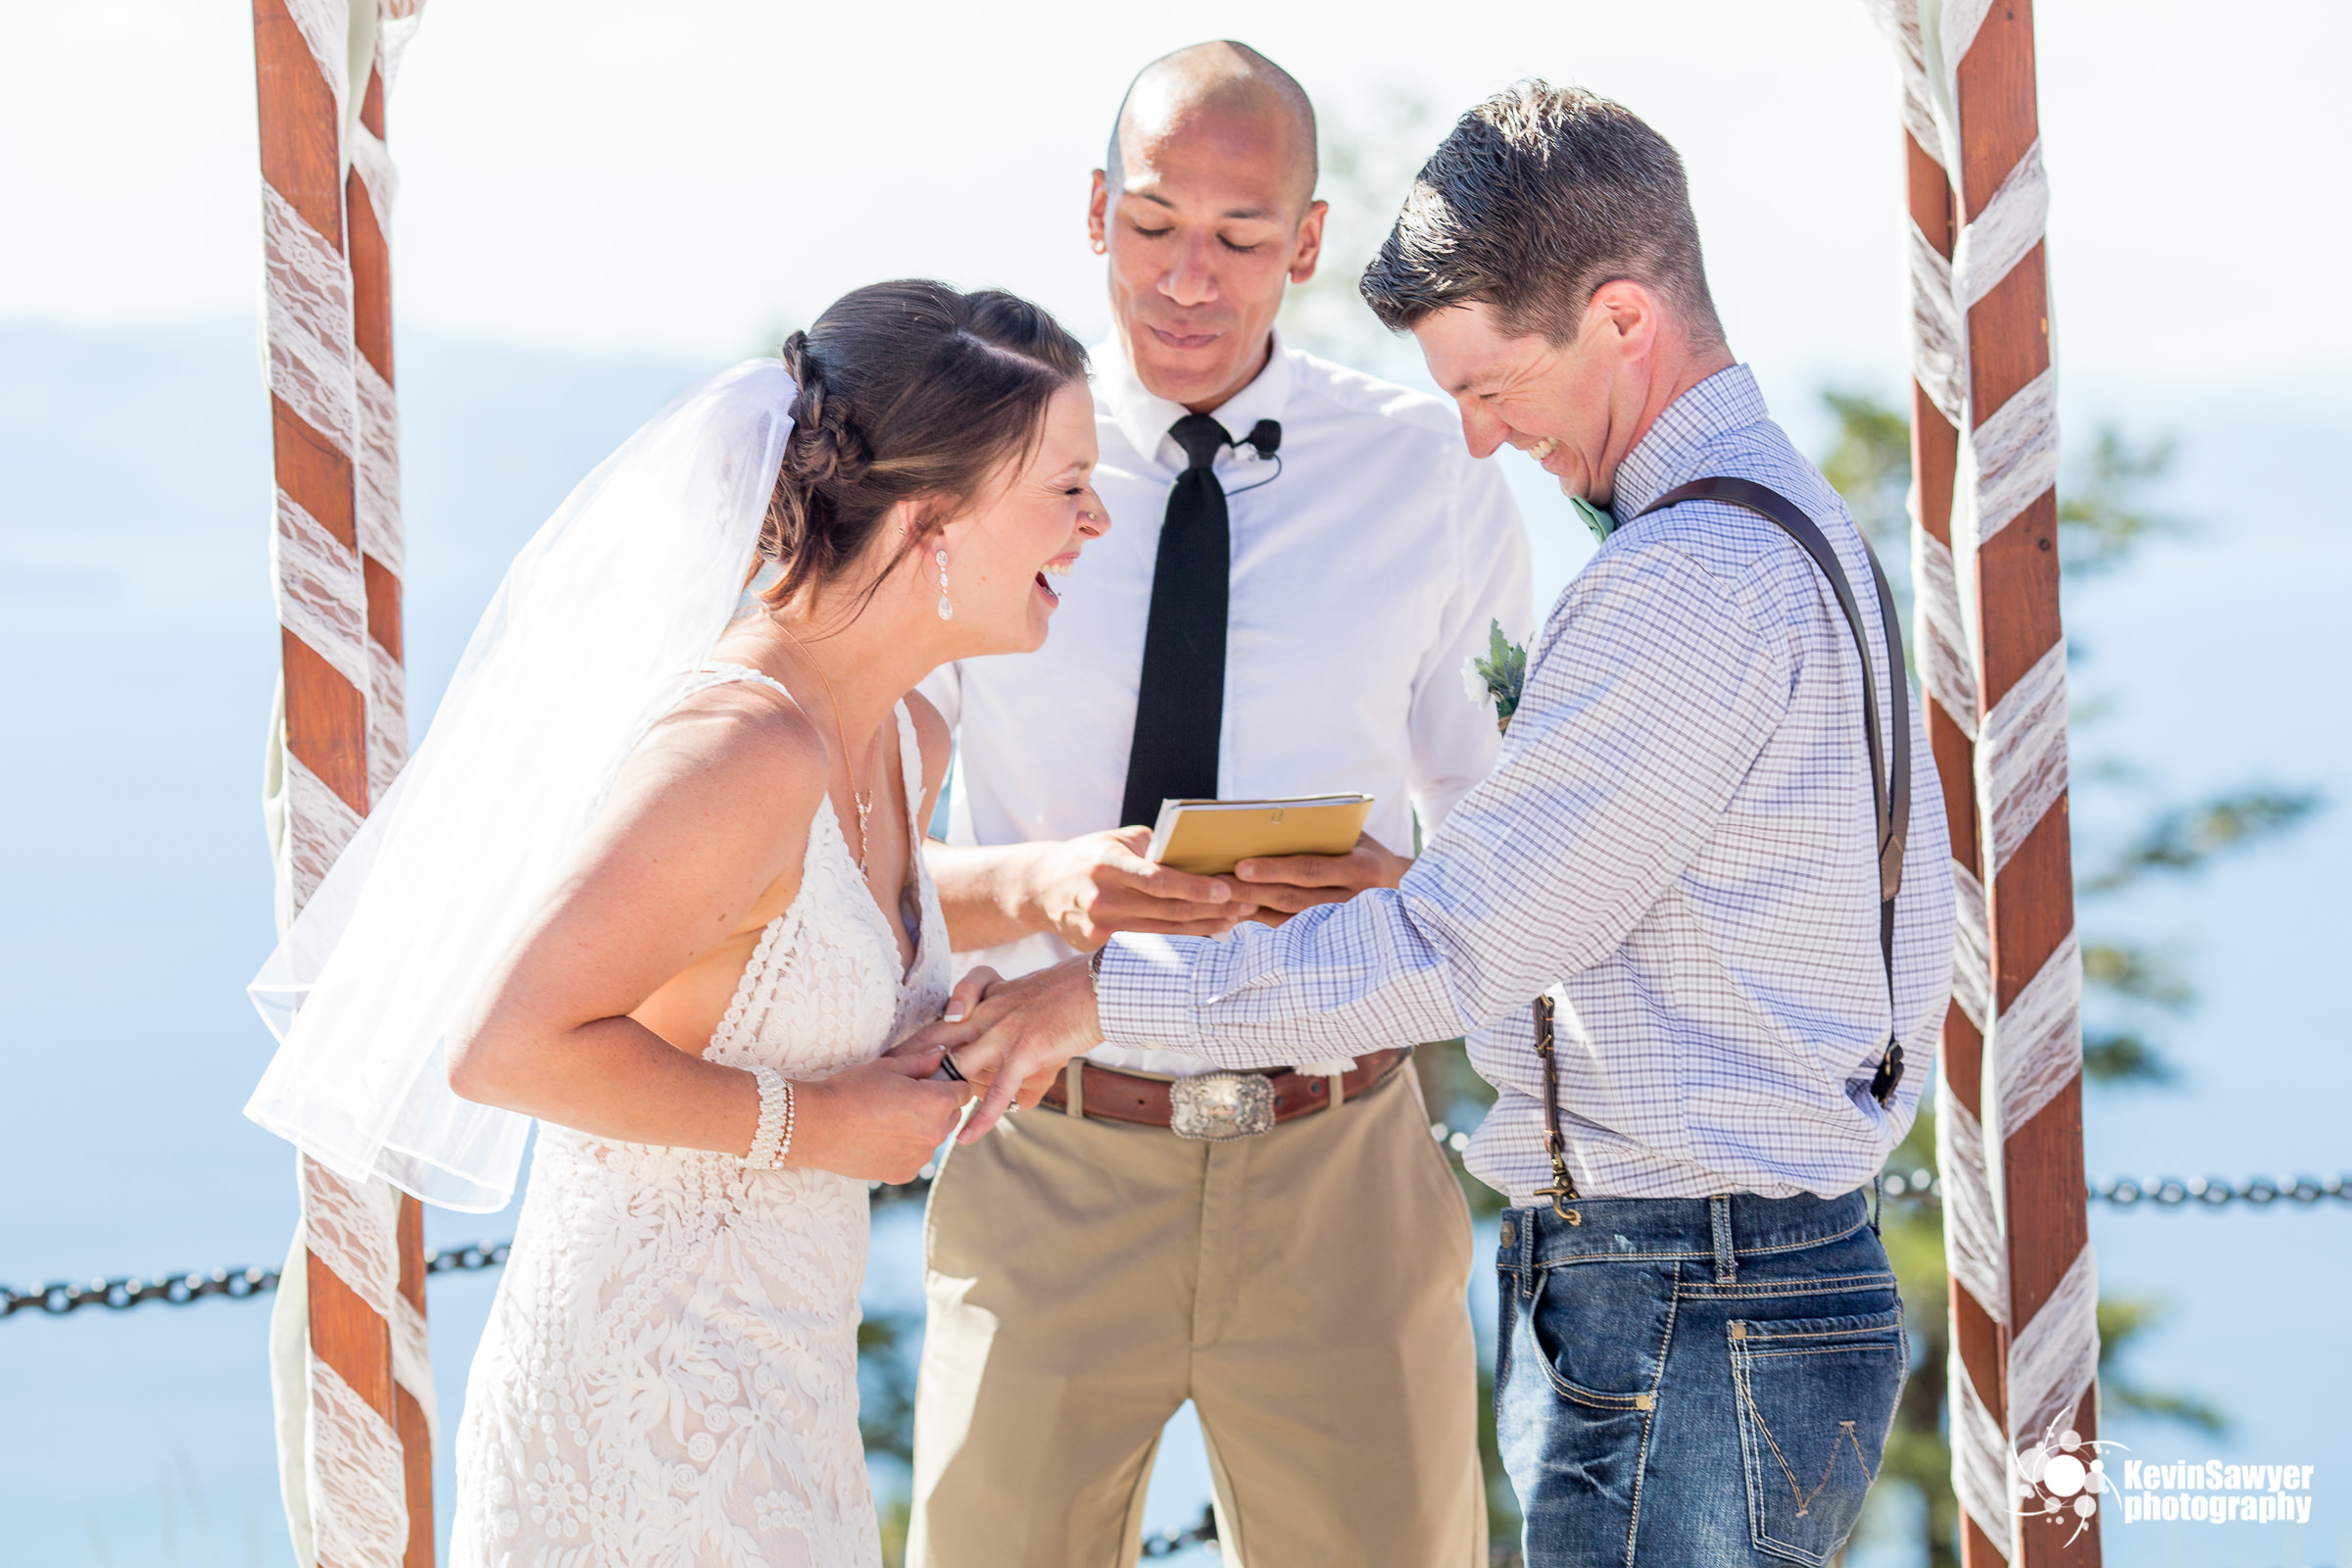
(1073, 1087)
(1527, 1252)
(1338, 1088)
(1719, 1215)
(1878, 1200)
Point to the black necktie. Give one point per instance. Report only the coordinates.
(1180, 706)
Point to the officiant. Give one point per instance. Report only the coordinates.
(1304, 559)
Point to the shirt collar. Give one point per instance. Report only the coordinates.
(1144, 418)
(1669, 452)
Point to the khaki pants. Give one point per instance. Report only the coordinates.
(1306, 1290)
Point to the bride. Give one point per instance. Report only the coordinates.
(654, 880)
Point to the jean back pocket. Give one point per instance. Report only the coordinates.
(1816, 1398)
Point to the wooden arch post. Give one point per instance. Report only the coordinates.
(1992, 657)
(356, 1391)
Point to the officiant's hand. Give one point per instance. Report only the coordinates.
(1282, 885)
(1087, 888)
(1016, 1037)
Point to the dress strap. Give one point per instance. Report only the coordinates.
(911, 768)
(709, 676)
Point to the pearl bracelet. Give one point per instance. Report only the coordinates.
(778, 1111)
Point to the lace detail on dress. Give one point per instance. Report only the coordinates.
(670, 1377)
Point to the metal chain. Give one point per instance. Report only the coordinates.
(1913, 1186)
(1168, 1543)
(2169, 1192)
(181, 1290)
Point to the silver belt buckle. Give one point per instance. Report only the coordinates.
(1219, 1106)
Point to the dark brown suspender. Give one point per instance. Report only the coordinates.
(1890, 787)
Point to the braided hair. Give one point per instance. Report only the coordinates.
(908, 390)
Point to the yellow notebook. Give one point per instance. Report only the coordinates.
(1209, 838)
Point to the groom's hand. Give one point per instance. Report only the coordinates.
(1016, 1037)
(1281, 885)
(1085, 888)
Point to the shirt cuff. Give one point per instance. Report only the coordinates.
(1144, 992)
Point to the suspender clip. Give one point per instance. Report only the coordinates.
(1890, 1076)
(1563, 1185)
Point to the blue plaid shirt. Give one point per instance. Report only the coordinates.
(1677, 842)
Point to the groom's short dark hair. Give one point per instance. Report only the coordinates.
(1537, 198)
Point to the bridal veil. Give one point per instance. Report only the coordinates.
(598, 622)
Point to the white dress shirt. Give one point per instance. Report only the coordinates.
(1368, 563)
(1678, 841)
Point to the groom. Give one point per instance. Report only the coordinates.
(1304, 558)
(1680, 853)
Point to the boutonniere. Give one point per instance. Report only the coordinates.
(1497, 677)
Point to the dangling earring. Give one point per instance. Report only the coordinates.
(947, 611)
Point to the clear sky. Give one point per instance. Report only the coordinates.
(599, 176)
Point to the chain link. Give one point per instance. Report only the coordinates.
(1168, 1543)
(2168, 1191)
(473, 1256)
(183, 1290)
(180, 1290)
(1912, 1186)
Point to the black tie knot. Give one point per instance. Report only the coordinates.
(1202, 438)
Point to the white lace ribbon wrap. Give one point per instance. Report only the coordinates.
(2054, 1357)
(342, 1466)
(1946, 668)
(358, 1485)
(2006, 462)
(1972, 949)
(2021, 756)
(375, 510)
(1979, 1447)
(322, 595)
(307, 294)
(1975, 1249)
(316, 372)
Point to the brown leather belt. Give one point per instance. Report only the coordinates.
(1113, 1095)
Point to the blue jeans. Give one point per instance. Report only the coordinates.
(1700, 1381)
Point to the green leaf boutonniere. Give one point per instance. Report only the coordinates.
(1497, 677)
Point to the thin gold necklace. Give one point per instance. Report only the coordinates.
(864, 801)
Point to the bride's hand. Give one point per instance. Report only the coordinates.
(878, 1121)
(933, 1037)
(1016, 1036)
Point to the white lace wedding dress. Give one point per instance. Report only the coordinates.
(670, 1377)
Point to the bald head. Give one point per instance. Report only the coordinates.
(1205, 207)
(1221, 81)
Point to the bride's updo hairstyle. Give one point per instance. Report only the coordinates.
(908, 390)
